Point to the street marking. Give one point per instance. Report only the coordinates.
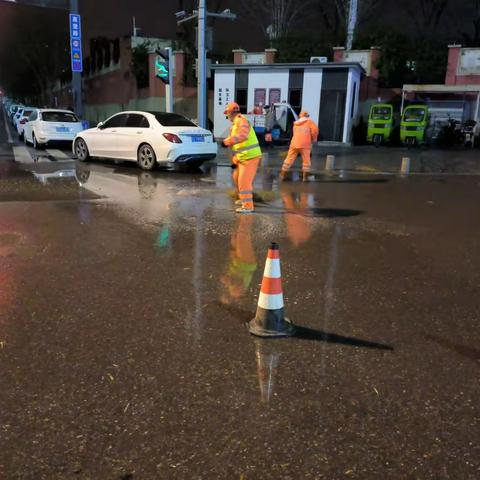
(59, 155)
(22, 155)
(9, 135)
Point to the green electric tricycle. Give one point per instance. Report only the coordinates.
(414, 125)
(380, 124)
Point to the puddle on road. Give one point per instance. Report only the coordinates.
(44, 181)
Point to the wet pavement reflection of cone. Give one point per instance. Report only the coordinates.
(270, 319)
(267, 366)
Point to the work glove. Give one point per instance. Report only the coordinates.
(233, 166)
(223, 144)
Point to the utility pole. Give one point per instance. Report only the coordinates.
(202, 71)
(169, 89)
(352, 22)
(76, 76)
(201, 15)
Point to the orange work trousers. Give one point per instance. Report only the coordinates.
(243, 177)
(292, 155)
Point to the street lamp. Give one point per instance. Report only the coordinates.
(72, 6)
(201, 14)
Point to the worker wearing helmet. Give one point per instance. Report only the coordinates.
(247, 155)
(305, 132)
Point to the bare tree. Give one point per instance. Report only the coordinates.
(276, 17)
(38, 50)
(470, 36)
(427, 14)
(334, 15)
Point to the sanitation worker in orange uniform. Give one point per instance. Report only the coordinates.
(247, 155)
(305, 132)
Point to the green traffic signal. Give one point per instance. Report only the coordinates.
(162, 71)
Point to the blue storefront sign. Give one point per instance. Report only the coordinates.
(76, 43)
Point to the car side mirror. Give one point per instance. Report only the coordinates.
(101, 125)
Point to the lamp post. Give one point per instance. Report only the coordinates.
(201, 15)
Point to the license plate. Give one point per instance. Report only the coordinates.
(197, 138)
(62, 129)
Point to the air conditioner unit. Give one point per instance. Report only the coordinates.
(318, 59)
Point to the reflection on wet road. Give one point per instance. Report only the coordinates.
(123, 347)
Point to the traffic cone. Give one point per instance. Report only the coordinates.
(270, 319)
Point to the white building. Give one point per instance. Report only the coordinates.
(328, 91)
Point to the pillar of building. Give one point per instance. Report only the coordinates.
(454, 52)
(375, 54)
(238, 56)
(338, 54)
(179, 62)
(270, 54)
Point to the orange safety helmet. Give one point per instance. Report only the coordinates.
(304, 114)
(232, 108)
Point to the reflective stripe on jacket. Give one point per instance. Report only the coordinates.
(305, 132)
(243, 140)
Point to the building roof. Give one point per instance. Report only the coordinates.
(283, 66)
(442, 88)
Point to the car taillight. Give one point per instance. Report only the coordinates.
(172, 138)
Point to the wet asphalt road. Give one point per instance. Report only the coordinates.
(123, 350)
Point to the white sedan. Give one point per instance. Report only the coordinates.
(45, 126)
(148, 138)
(21, 119)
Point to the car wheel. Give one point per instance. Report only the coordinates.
(146, 158)
(36, 145)
(81, 150)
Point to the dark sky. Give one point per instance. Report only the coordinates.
(156, 18)
(113, 18)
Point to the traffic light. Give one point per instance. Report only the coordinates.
(162, 66)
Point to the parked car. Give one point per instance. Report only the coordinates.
(16, 115)
(12, 110)
(47, 125)
(148, 138)
(22, 119)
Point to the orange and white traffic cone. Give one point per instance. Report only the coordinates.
(270, 319)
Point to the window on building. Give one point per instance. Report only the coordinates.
(295, 99)
(274, 96)
(260, 96)
(241, 98)
(354, 99)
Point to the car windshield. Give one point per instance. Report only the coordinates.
(64, 117)
(414, 115)
(172, 120)
(381, 113)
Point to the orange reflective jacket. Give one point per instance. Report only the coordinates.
(305, 132)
